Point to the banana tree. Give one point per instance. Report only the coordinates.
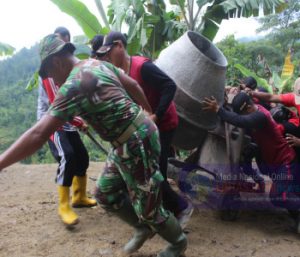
(86, 20)
(260, 81)
(281, 83)
(6, 49)
(205, 16)
(150, 27)
(163, 27)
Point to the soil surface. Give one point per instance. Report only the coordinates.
(30, 227)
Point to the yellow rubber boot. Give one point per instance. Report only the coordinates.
(79, 198)
(68, 216)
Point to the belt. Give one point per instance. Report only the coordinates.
(130, 130)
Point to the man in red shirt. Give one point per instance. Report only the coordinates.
(288, 99)
(278, 158)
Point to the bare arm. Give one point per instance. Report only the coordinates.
(135, 91)
(267, 97)
(30, 141)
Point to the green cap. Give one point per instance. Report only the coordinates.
(51, 45)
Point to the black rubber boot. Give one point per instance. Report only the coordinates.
(142, 231)
(172, 232)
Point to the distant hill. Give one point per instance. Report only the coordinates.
(249, 39)
(19, 67)
(17, 106)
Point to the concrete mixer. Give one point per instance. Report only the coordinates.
(199, 70)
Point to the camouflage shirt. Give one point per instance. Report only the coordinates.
(102, 101)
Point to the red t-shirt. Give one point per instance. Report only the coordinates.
(289, 101)
(51, 90)
(274, 147)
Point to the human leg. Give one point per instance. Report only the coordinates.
(68, 216)
(172, 201)
(138, 163)
(285, 187)
(79, 183)
(249, 152)
(111, 193)
(172, 233)
(285, 191)
(64, 176)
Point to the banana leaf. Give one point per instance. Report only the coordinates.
(281, 83)
(33, 82)
(260, 81)
(6, 50)
(86, 20)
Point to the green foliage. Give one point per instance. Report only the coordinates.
(102, 12)
(6, 49)
(284, 27)
(235, 52)
(18, 105)
(17, 112)
(249, 8)
(209, 14)
(33, 82)
(267, 50)
(261, 59)
(86, 20)
(82, 51)
(151, 27)
(148, 25)
(19, 67)
(260, 81)
(282, 85)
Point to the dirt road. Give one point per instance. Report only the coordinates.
(30, 227)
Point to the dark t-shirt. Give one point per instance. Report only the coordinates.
(273, 146)
(158, 80)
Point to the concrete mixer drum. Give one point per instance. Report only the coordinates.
(199, 70)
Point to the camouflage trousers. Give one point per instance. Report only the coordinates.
(132, 169)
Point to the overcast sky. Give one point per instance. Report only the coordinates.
(25, 22)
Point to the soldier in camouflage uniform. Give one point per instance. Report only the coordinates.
(101, 95)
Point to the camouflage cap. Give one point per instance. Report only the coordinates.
(51, 45)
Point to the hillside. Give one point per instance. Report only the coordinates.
(18, 106)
